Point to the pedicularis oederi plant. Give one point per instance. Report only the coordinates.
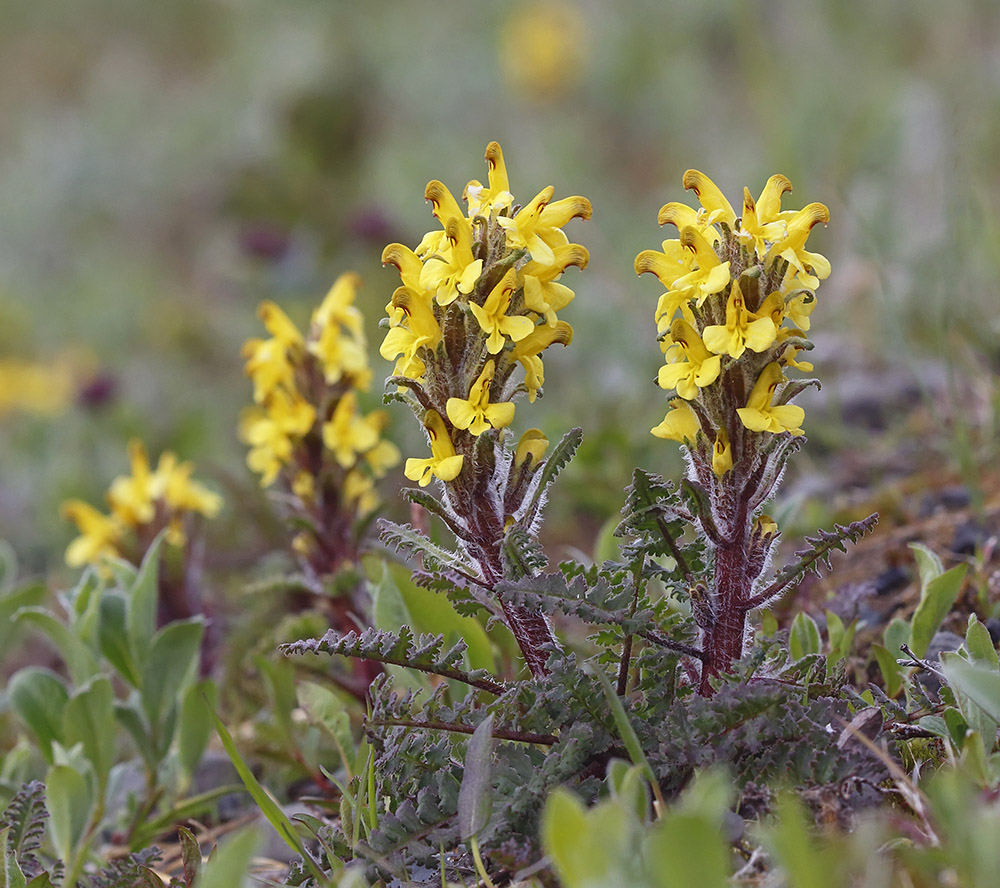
(732, 324)
(476, 309)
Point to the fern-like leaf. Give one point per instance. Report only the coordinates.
(406, 539)
(25, 817)
(421, 652)
(522, 554)
(812, 558)
(556, 461)
(433, 505)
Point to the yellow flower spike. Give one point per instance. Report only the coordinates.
(346, 433)
(760, 416)
(100, 534)
(680, 423)
(722, 454)
(692, 365)
(739, 332)
(711, 198)
(338, 306)
(531, 448)
(477, 414)
(493, 318)
(484, 201)
(279, 325)
(710, 276)
(672, 264)
(132, 497)
(455, 272)
(444, 462)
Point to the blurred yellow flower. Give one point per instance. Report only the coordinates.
(543, 48)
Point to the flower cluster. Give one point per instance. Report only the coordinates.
(478, 302)
(734, 316)
(479, 297)
(141, 505)
(306, 426)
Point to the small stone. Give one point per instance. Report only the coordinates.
(890, 580)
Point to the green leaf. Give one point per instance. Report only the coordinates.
(70, 804)
(283, 826)
(11, 875)
(685, 850)
(979, 644)
(190, 855)
(895, 635)
(113, 638)
(804, 639)
(804, 865)
(89, 718)
(587, 848)
(143, 595)
(191, 808)
(892, 672)
(389, 611)
(194, 728)
(80, 662)
(13, 600)
(132, 719)
(228, 865)
(979, 684)
(170, 662)
(475, 798)
(938, 597)
(279, 676)
(38, 696)
(929, 565)
(625, 729)
(840, 639)
(326, 709)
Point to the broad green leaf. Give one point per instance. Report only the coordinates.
(588, 848)
(804, 638)
(892, 672)
(475, 796)
(131, 718)
(143, 597)
(190, 855)
(896, 634)
(170, 663)
(283, 826)
(279, 676)
(114, 639)
(938, 597)
(929, 565)
(89, 718)
(194, 728)
(840, 638)
(978, 683)
(13, 600)
(326, 709)
(804, 864)
(38, 696)
(70, 803)
(686, 851)
(630, 787)
(80, 661)
(979, 644)
(606, 546)
(389, 611)
(228, 865)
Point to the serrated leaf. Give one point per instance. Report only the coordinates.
(556, 460)
(324, 708)
(475, 799)
(938, 597)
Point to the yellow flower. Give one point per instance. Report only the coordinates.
(692, 366)
(722, 454)
(709, 275)
(45, 390)
(810, 268)
(338, 306)
(739, 332)
(673, 263)
(542, 292)
(760, 416)
(799, 307)
(444, 462)
(346, 434)
(527, 351)
(543, 47)
(100, 534)
(416, 329)
(711, 198)
(181, 493)
(762, 220)
(270, 432)
(133, 497)
(268, 366)
(788, 359)
(485, 201)
(279, 325)
(680, 423)
(360, 490)
(477, 414)
(493, 319)
(531, 448)
(454, 270)
(523, 229)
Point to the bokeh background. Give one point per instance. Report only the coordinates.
(165, 166)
